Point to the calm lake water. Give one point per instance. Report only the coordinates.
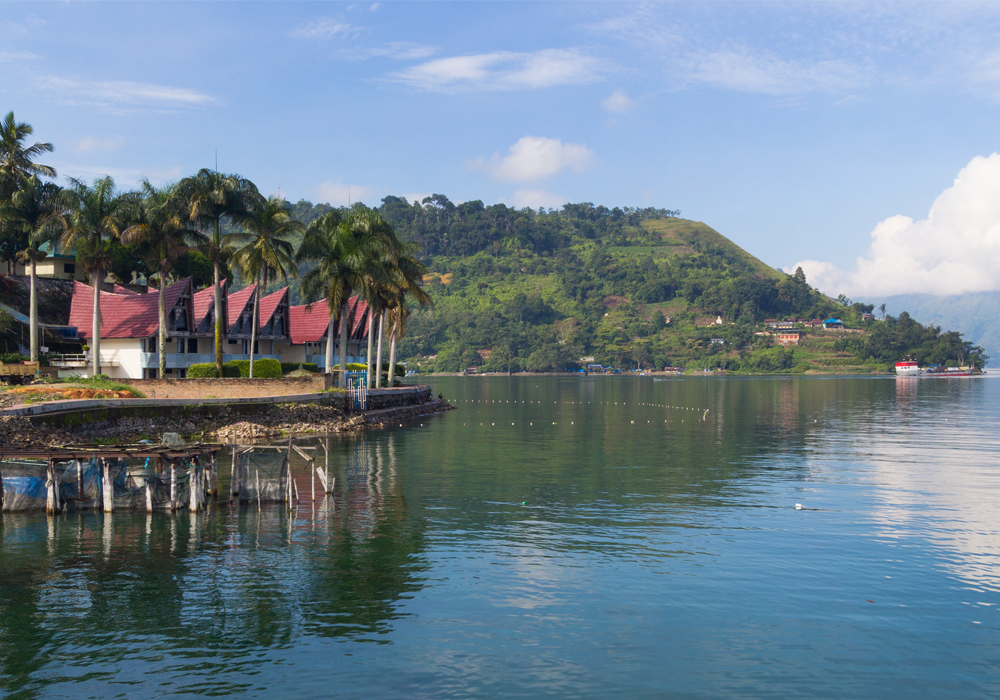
(565, 537)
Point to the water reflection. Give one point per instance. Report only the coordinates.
(94, 598)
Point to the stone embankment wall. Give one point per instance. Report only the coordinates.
(231, 387)
(401, 396)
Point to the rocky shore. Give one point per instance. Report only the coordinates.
(272, 421)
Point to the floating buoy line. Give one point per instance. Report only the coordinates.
(703, 411)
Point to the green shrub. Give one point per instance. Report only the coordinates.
(9, 357)
(287, 367)
(207, 370)
(263, 368)
(352, 366)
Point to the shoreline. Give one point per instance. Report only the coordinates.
(264, 422)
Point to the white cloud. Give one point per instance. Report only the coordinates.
(118, 94)
(92, 144)
(535, 199)
(417, 197)
(763, 72)
(956, 249)
(374, 6)
(400, 50)
(618, 103)
(535, 158)
(502, 70)
(340, 195)
(326, 28)
(11, 56)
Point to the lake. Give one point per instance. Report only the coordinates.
(601, 537)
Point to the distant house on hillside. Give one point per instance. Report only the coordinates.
(833, 324)
(787, 337)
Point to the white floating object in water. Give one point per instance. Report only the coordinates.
(798, 506)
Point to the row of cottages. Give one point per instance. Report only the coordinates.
(130, 329)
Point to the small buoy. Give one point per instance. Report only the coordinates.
(798, 506)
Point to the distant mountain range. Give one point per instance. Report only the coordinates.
(976, 315)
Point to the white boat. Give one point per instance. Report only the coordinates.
(910, 368)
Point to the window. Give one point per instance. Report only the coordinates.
(192, 344)
(69, 268)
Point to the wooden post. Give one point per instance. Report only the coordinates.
(326, 453)
(233, 489)
(214, 476)
(173, 487)
(288, 461)
(312, 479)
(149, 497)
(107, 488)
(51, 496)
(196, 485)
(257, 476)
(79, 482)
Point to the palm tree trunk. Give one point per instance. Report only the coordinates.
(344, 323)
(254, 322)
(218, 318)
(392, 349)
(33, 321)
(328, 362)
(95, 346)
(378, 356)
(161, 341)
(368, 357)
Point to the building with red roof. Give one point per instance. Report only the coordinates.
(130, 328)
(310, 327)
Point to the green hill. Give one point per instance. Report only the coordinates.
(542, 290)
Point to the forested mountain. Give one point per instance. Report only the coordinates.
(975, 314)
(524, 289)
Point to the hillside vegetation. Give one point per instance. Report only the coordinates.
(631, 288)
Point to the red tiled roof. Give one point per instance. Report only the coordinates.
(204, 300)
(118, 289)
(268, 304)
(122, 315)
(237, 301)
(308, 325)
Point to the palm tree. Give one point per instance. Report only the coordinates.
(16, 165)
(347, 248)
(262, 247)
(409, 274)
(161, 224)
(881, 310)
(36, 207)
(210, 197)
(97, 214)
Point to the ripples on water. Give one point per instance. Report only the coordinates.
(610, 543)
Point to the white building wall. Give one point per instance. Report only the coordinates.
(128, 354)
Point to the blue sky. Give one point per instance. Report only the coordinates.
(796, 130)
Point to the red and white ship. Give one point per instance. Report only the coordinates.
(910, 368)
